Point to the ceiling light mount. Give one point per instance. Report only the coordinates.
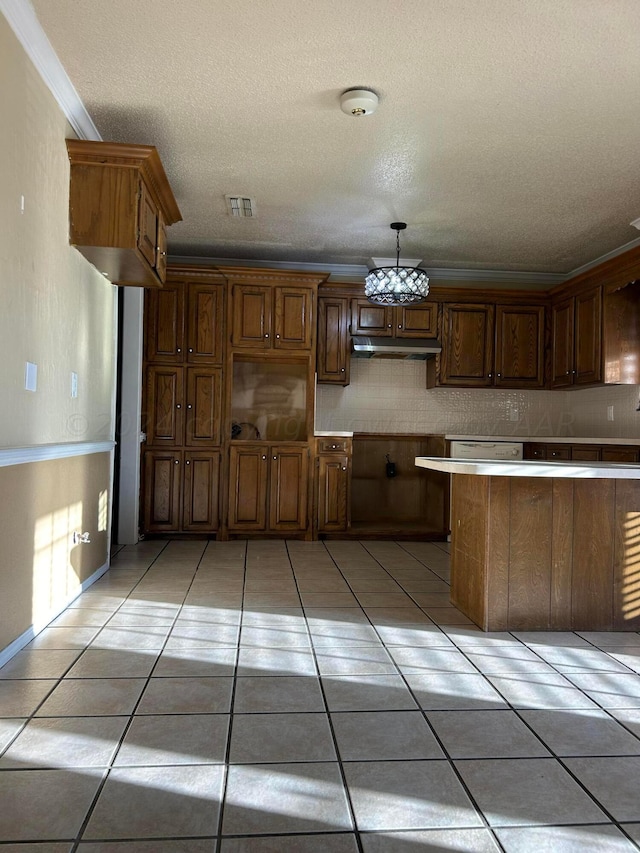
(358, 102)
(397, 285)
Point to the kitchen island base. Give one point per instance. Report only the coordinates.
(546, 553)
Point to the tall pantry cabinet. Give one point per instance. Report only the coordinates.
(182, 402)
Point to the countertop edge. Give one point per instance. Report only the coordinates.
(531, 468)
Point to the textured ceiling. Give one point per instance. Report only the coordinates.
(507, 134)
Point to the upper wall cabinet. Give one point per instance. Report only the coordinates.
(120, 204)
(272, 312)
(595, 337)
(486, 345)
(333, 340)
(418, 321)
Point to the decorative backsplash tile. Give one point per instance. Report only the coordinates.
(390, 396)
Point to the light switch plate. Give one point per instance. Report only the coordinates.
(30, 376)
(74, 384)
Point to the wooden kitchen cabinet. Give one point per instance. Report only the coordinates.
(490, 345)
(181, 491)
(184, 323)
(467, 345)
(333, 479)
(268, 488)
(183, 406)
(576, 340)
(162, 479)
(120, 204)
(371, 320)
(272, 317)
(556, 452)
(595, 335)
(333, 351)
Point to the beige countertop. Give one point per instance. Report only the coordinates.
(526, 468)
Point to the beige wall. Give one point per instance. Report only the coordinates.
(58, 312)
(43, 504)
(390, 396)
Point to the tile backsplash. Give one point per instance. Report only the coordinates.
(387, 395)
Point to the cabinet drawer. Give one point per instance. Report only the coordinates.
(558, 452)
(619, 454)
(585, 453)
(333, 445)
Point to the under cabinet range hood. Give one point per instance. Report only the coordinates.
(405, 348)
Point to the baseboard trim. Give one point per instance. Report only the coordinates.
(20, 642)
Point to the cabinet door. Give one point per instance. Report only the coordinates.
(293, 315)
(205, 323)
(333, 357)
(519, 361)
(416, 322)
(164, 314)
(203, 406)
(147, 225)
(370, 319)
(332, 495)
(288, 490)
(248, 471)
(467, 341)
(251, 316)
(161, 250)
(164, 412)
(200, 491)
(562, 337)
(588, 338)
(162, 491)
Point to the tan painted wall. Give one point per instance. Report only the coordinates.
(57, 311)
(42, 504)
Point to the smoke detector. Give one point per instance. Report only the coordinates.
(358, 102)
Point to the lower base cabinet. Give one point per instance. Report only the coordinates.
(181, 491)
(332, 493)
(268, 488)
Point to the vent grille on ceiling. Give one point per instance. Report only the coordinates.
(240, 206)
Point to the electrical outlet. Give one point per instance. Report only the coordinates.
(610, 413)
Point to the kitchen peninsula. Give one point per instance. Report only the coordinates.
(544, 545)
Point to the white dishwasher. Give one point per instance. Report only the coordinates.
(486, 450)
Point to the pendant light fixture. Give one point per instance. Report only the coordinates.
(396, 285)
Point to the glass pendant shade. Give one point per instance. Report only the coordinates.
(396, 285)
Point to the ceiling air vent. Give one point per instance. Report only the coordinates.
(240, 206)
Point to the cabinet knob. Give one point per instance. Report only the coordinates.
(190, 349)
(388, 325)
(275, 457)
(333, 446)
(574, 372)
(187, 462)
(498, 375)
(178, 405)
(264, 457)
(178, 350)
(176, 462)
(267, 335)
(344, 469)
(491, 376)
(399, 325)
(277, 336)
(342, 370)
(189, 406)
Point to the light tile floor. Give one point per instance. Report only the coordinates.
(311, 698)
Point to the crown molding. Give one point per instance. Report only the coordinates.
(338, 272)
(603, 258)
(22, 19)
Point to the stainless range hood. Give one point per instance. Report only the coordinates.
(407, 348)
